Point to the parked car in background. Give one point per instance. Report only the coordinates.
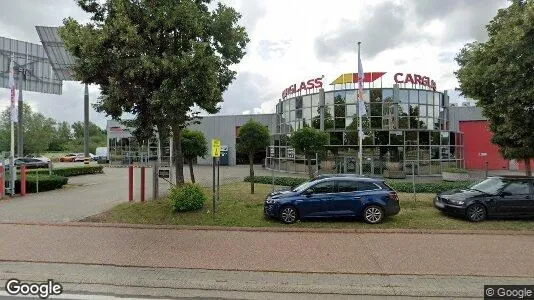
(68, 158)
(501, 196)
(31, 163)
(80, 157)
(41, 158)
(337, 196)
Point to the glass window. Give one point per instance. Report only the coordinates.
(411, 137)
(348, 122)
(292, 116)
(376, 109)
(339, 123)
(346, 186)
(351, 110)
(376, 122)
(366, 186)
(292, 103)
(366, 96)
(350, 97)
(339, 111)
(298, 102)
(403, 122)
(329, 99)
(336, 138)
(404, 96)
(424, 138)
(315, 99)
(436, 112)
(306, 101)
(434, 152)
(437, 99)
(286, 105)
(376, 95)
(423, 110)
(382, 138)
(435, 138)
(422, 97)
(517, 188)
(411, 153)
(387, 94)
(403, 109)
(429, 123)
(445, 138)
(396, 137)
(413, 96)
(430, 98)
(323, 187)
(306, 113)
(339, 97)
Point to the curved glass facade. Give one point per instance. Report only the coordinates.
(403, 129)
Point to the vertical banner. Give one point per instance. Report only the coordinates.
(12, 89)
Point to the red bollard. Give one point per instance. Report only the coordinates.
(142, 184)
(2, 182)
(23, 180)
(130, 183)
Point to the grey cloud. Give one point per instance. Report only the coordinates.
(19, 18)
(252, 12)
(245, 93)
(382, 30)
(273, 49)
(464, 19)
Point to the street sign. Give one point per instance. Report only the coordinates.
(215, 148)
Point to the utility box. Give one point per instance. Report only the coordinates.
(224, 159)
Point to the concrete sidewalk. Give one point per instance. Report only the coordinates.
(351, 253)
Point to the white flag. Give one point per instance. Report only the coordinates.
(361, 105)
(12, 88)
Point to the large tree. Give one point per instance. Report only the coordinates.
(499, 75)
(309, 141)
(253, 136)
(157, 59)
(194, 144)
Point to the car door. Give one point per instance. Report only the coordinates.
(344, 201)
(313, 204)
(515, 198)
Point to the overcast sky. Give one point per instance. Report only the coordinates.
(294, 40)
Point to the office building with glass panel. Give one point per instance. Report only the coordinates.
(405, 128)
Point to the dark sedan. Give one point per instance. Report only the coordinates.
(31, 163)
(337, 196)
(504, 196)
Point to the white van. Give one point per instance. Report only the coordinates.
(102, 153)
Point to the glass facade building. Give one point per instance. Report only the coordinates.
(404, 129)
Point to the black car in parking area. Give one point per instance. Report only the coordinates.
(500, 196)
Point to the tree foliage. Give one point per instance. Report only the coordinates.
(194, 144)
(253, 136)
(499, 75)
(157, 59)
(309, 141)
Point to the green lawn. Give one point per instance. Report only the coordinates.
(238, 207)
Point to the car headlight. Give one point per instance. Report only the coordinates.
(270, 201)
(458, 202)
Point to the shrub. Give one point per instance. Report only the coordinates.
(454, 170)
(399, 186)
(45, 182)
(188, 197)
(69, 172)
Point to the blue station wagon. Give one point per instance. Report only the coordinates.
(336, 196)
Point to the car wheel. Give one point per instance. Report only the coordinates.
(476, 213)
(373, 214)
(288, 214)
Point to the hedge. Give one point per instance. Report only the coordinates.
(399, 186)
(69, 172)
(46, 183)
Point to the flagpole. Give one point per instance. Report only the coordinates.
(360, 130)
(12, 117)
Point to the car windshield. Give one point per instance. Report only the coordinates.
(301, 188)
(489, 186)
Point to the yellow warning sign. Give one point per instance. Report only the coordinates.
(215, 148)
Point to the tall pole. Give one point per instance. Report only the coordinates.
(20, 126)
(13, 118)
(86, 124)
(360, 130)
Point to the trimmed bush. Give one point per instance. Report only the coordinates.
(69, 172)
(188, 197)
(454, 170)
(399, 186)
(46, 183)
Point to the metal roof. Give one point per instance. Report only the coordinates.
(58, 56)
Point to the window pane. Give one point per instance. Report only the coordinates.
(396, 137)
(339, 111)
(403, 122)
(437, 99)
(403, 96)
(376, 95)
(292, 103)
(387, 94)
(422, 97)
(366, 186)
(346, 186)
(315, 99)
(292, 116)
(306, 101)
(424, 138)
(435, 138)
(366, 96)
(350, 97)
(336, 138)
(286, 105)
(517, 188)
(306, 113)
(430, 98)
(413, 97)
(434, 153)
(351, 110)
(339, 97)
(376, 109)
(329, 99)
(323, 187)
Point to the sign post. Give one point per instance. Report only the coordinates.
(215, 154)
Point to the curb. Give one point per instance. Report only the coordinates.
(273, 229)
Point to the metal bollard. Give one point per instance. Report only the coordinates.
(142, 184)
(130, 183)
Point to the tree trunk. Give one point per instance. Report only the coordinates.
(528, 170)
(310, 169)
(190, 161)
(251, 162)
(178, 155)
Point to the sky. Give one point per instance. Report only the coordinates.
(292, 41)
